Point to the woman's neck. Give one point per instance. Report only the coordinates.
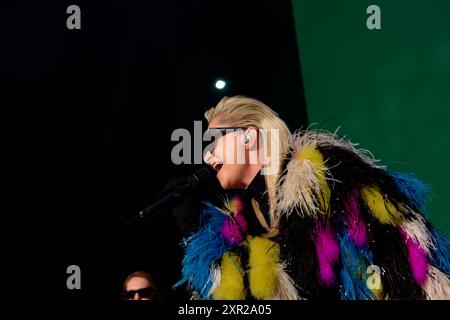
(251, 173)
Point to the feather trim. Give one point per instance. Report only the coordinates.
(299, 253)
(418, 260)
(417, 230)
(286, 287)
(437, 285)
(216, 277)
(324, 138)
(231, 286)
(390, 254)
(380, 207)
(263, 267)
(202, 250)
(314, 157)
(303, 183)
(354, 221)
(353, 273)
(327, 249)
(307, 176)
(440, 255)
(234, 228)
(416, 191)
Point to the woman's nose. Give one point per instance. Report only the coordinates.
(208, 157)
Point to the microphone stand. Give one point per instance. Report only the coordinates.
(177, 188)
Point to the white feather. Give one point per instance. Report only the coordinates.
(437, 285)
(286, 289)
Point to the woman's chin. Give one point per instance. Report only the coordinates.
(228, 184)
(224, 180)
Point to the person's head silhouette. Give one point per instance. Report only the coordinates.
(139, 285)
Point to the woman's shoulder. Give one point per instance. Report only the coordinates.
(353, 206)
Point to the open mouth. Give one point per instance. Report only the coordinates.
(217, 166)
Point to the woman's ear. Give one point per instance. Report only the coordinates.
(250, 137)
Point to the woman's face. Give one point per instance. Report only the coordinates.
(229, 157)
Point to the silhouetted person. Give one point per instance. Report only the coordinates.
(140, 285)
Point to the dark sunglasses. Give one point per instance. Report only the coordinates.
(217, 133)
(143, 293)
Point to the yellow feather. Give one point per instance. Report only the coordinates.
(381, 208)
(231, 286)
(379, 293)
(263, 263)
(311, 154)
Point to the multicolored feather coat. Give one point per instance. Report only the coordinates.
(344, 227)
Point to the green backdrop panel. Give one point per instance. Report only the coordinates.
(388, 89)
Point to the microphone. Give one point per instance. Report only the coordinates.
(175, 190)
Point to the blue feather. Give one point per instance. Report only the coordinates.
(354, 264)
(414, 189)
(202, 250)
(440, 256)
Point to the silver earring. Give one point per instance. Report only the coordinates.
(247, 138)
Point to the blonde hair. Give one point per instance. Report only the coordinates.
(242, 111)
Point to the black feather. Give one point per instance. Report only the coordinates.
(391, 256)
(297, 249)
(348, 171)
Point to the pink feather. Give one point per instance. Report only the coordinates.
(327, 250)
(235, 231)
(418, 258)
(355, 222)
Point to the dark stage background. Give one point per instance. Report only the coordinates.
(88, 115)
